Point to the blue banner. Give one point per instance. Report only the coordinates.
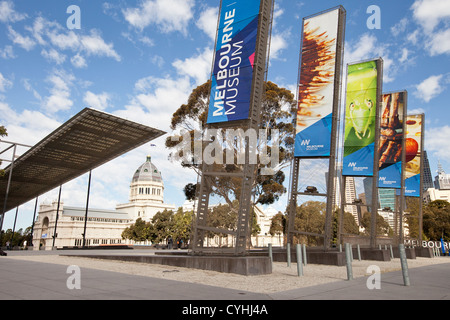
(234, 60)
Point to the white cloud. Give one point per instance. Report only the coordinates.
(78, 61)
(27, 127)
(429, 88)
(8, 14)
(404, 56)
(197, 67)
(440, 43)
(24, 41)
(399, 27)
(53, 55)
(437, 141)
(433, 16)
(168, 15)
(52, 34)
(97, 101)
(7, 53)
(4, 83)
(429, 13)
(368, 47)
(278, 43)
(60, 92)
(95, 45)
(208, 22)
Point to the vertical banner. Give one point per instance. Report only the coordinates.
(361, 118)
(392, 117)
(322, 38)
(413, 151)
(234, 60)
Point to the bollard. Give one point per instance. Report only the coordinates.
(351, 252)
(340, 247)
(359, 252)
(304, 255)
(392, 253)
(404, 263)
(270, 253)
(299, 261)
(349, 262)
(288, 254)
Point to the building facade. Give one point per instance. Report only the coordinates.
(103, 227)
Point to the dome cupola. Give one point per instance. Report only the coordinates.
(147, 183)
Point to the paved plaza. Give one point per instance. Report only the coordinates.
(30, 280)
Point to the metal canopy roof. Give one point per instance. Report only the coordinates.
(88, 140)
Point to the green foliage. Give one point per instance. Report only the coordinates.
(436, 220)
(163, 225)
(18, 238)
(383, 227)
(278, 106)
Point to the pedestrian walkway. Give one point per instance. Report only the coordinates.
(20, 279)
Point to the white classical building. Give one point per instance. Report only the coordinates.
(103, 227)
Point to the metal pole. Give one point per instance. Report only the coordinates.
(288, 254)
(299, 260)
(34, 218)
(304, 254)
(57, 215)
(14, 226)
(404, 264)
(270, 253)
(87, 208)
(348, 261)
(7, 191)
(359, 252)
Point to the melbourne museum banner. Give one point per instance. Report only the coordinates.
(413, 151)
(360, 118)
(393, 113)
(234, 59)
(322, 38)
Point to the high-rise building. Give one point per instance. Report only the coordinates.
(427, 177)
(442, 180)
(350, 193)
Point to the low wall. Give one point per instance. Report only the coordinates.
(239, 265)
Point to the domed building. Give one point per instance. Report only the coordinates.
(146, 193)
(104, 227)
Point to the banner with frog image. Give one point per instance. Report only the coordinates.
(360, 118)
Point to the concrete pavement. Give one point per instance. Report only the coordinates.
(27, 280)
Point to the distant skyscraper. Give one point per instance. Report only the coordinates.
(427, 177)
(350, 193)
(442, 180)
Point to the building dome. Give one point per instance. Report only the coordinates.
(147, 172)
(147, 183)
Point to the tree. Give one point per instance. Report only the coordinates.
(278, 225)
(349, 224)
(383, 227)
(278, 108)
(139, 231)
(182, 222)
(436, 220)
(162, 226)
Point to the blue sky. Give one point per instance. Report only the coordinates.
(141, 59)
